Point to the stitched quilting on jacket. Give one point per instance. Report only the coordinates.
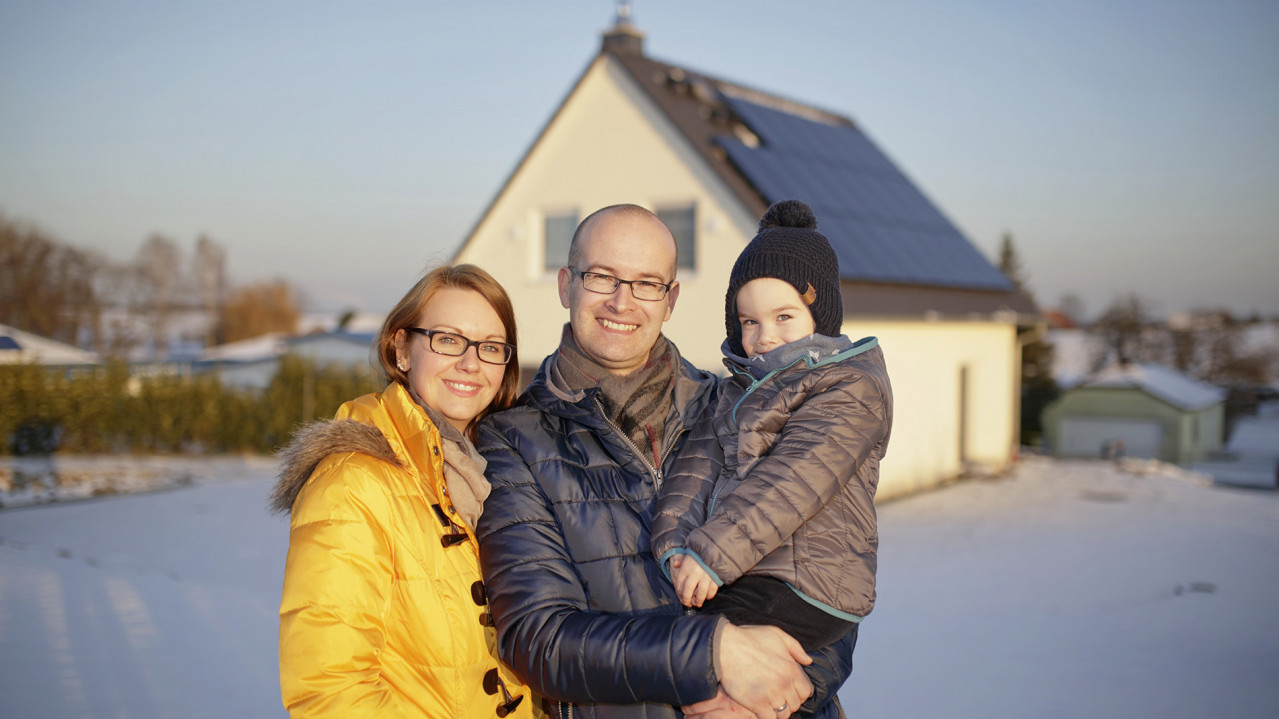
(583, 612)
(378, 618)
(781, 481)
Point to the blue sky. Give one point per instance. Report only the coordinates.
(1127, 146)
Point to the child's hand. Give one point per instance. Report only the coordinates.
(692, 584)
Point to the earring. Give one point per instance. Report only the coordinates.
(399, 364)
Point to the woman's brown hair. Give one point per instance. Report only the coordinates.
(409, 308)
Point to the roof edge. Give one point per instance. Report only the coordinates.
(528, 152)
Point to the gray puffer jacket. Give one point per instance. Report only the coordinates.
(780, 482)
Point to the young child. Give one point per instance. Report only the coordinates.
(768, 513)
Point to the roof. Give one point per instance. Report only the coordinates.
(253, 349)
(767, 148)
(360, 339)
(17, 347)
(274, 344)
(897, 252)
(1161, 382)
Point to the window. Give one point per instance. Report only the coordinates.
(682, 222)
(557, 235)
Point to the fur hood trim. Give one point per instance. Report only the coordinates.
(317, 440)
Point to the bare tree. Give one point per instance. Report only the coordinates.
(159, 265)
(1221, 355)
(122, 296)
(46, 287)
(1073, 307)
(257, 309)
(1122, 325)
(209, 270)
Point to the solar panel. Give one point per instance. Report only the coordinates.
(882, 227)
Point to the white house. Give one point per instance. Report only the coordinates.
(709, 156)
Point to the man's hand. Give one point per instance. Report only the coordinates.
(721, 707)
(760, 669)
(693, 585)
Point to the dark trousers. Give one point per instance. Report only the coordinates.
(765, 600)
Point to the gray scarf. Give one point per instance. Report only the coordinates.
(638, 403)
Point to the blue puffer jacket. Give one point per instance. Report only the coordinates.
(584, 613)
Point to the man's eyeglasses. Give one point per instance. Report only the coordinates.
(455, 345)
(607, 285)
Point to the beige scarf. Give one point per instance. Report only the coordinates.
(463, 467)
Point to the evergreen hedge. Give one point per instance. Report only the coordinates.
(105, 410)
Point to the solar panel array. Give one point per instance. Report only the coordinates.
(882, 227)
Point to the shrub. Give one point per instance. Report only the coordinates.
(106, 410)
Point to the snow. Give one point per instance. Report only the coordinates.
(21, 347)
(268, 345)
(1251, 457)
(1167, 384)
(1069, 589)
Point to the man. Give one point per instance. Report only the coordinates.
(583, 612)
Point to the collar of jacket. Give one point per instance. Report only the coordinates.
(388, 426)
(691, 394)
(814, 349)
(411, 433)
(807, 351)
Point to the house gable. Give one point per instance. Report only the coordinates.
(608, 143)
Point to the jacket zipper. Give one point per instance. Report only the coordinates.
(656, 472)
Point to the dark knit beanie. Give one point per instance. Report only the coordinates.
(789, 247)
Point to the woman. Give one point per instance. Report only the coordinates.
(383, 612)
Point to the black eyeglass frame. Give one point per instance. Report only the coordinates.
(618, 282)
(430, 335)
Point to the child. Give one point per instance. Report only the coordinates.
(773, 494)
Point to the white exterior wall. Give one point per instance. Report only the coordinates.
(924, 364)
(608, 145)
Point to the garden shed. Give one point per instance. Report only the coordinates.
(1137, 410)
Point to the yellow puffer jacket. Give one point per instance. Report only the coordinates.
(378, 617)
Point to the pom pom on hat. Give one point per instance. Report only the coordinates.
(788, 213)
(788, 247)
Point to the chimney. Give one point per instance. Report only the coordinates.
(623, 38)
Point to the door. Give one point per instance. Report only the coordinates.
(1096, 437)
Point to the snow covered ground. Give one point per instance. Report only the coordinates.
(1070, 589)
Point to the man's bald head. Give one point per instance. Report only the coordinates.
(614, 211)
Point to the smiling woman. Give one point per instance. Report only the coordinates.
(384, 612)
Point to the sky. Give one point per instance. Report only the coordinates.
(1128, 147)
(1069, 589)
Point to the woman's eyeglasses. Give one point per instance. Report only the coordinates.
(455, 345)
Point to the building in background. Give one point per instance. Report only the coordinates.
(709, 156)
(18, 347)
(1138, 410)
(252, 363)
